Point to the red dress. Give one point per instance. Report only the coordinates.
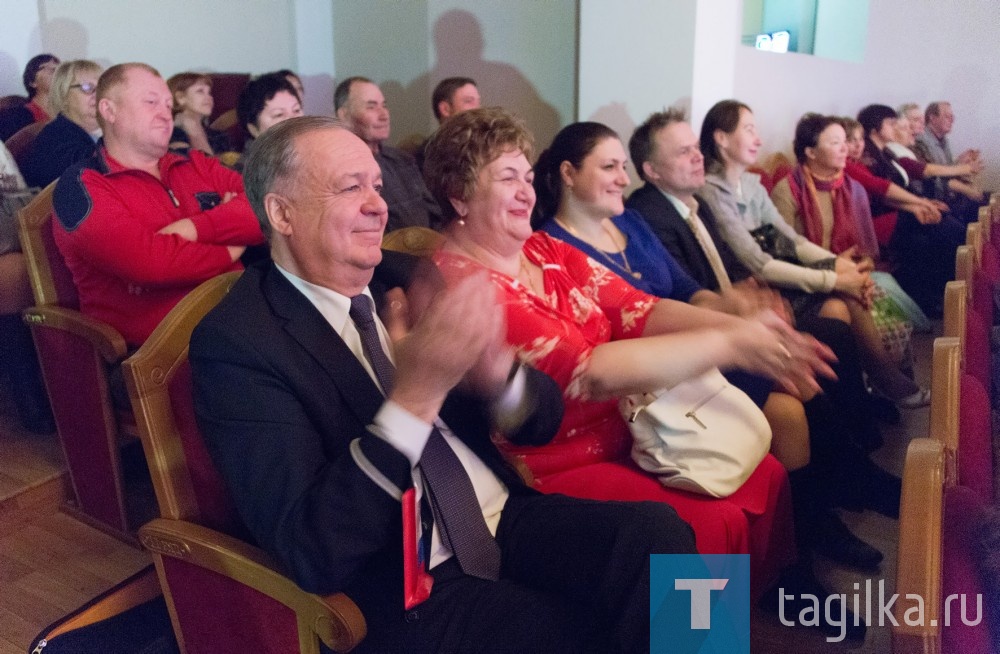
(584, 306)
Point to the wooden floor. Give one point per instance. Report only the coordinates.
(768, 635)
(51, 564)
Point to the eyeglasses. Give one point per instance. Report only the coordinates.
(86, 87)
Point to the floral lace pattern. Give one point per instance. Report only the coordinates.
(584, 305)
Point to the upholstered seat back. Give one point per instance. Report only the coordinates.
(223, 594)
(963, 511)
(211, 504)
(188, 487)
(20, 142)
(975, 440)
(75, 353)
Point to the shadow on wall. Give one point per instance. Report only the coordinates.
(459, 45)
(319, 95)
(67, 39)
(10, 73)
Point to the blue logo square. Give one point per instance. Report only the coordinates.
(699, 603)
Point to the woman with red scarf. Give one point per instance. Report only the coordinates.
(824, 204)
(818, 199)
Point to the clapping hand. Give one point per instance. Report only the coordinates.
(458, 337)
(791, 358)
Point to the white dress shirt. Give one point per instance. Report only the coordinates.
(400, 428)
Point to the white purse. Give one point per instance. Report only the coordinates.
(703, 435)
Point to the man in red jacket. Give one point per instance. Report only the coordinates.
(139, 226)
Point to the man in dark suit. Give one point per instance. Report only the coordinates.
(666, 153)
(289, 394)
(667, 157)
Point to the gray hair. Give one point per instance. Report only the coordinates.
(906, 108)
(933, 110)
(272, 160)
(62, 80)
(342, 94)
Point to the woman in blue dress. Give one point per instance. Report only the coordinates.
(580, 181)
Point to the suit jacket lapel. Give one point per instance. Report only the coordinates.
(695, 260)
(304, 323)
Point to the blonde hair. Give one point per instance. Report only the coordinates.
(62, 80)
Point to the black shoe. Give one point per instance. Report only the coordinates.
(881, 491)
(796, 598)
(868, 438)
(872, 488)
(883, 409)
(836, 542)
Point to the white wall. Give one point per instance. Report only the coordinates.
(528, 57)
(841, 29)
(314, 58)
(522, 54)
(717, 40)
(915, 51)
(221, 35)
(19, 42)
(631, 67)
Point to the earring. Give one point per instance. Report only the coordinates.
(461, 222)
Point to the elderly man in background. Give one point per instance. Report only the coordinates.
(963, 196)
(139, 226)
(914, 117)
(362, 108)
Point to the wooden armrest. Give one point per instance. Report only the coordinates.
(946, 370)
(224, 121)
(920, 531)
(105, 338)
(418, 241)
(956, 299)
(335, 618)
(974, 239)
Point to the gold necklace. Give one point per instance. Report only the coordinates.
(621, 248)
(526, 273)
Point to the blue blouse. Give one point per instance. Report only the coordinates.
(661, 275)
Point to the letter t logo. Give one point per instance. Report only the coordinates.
(701, 596)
